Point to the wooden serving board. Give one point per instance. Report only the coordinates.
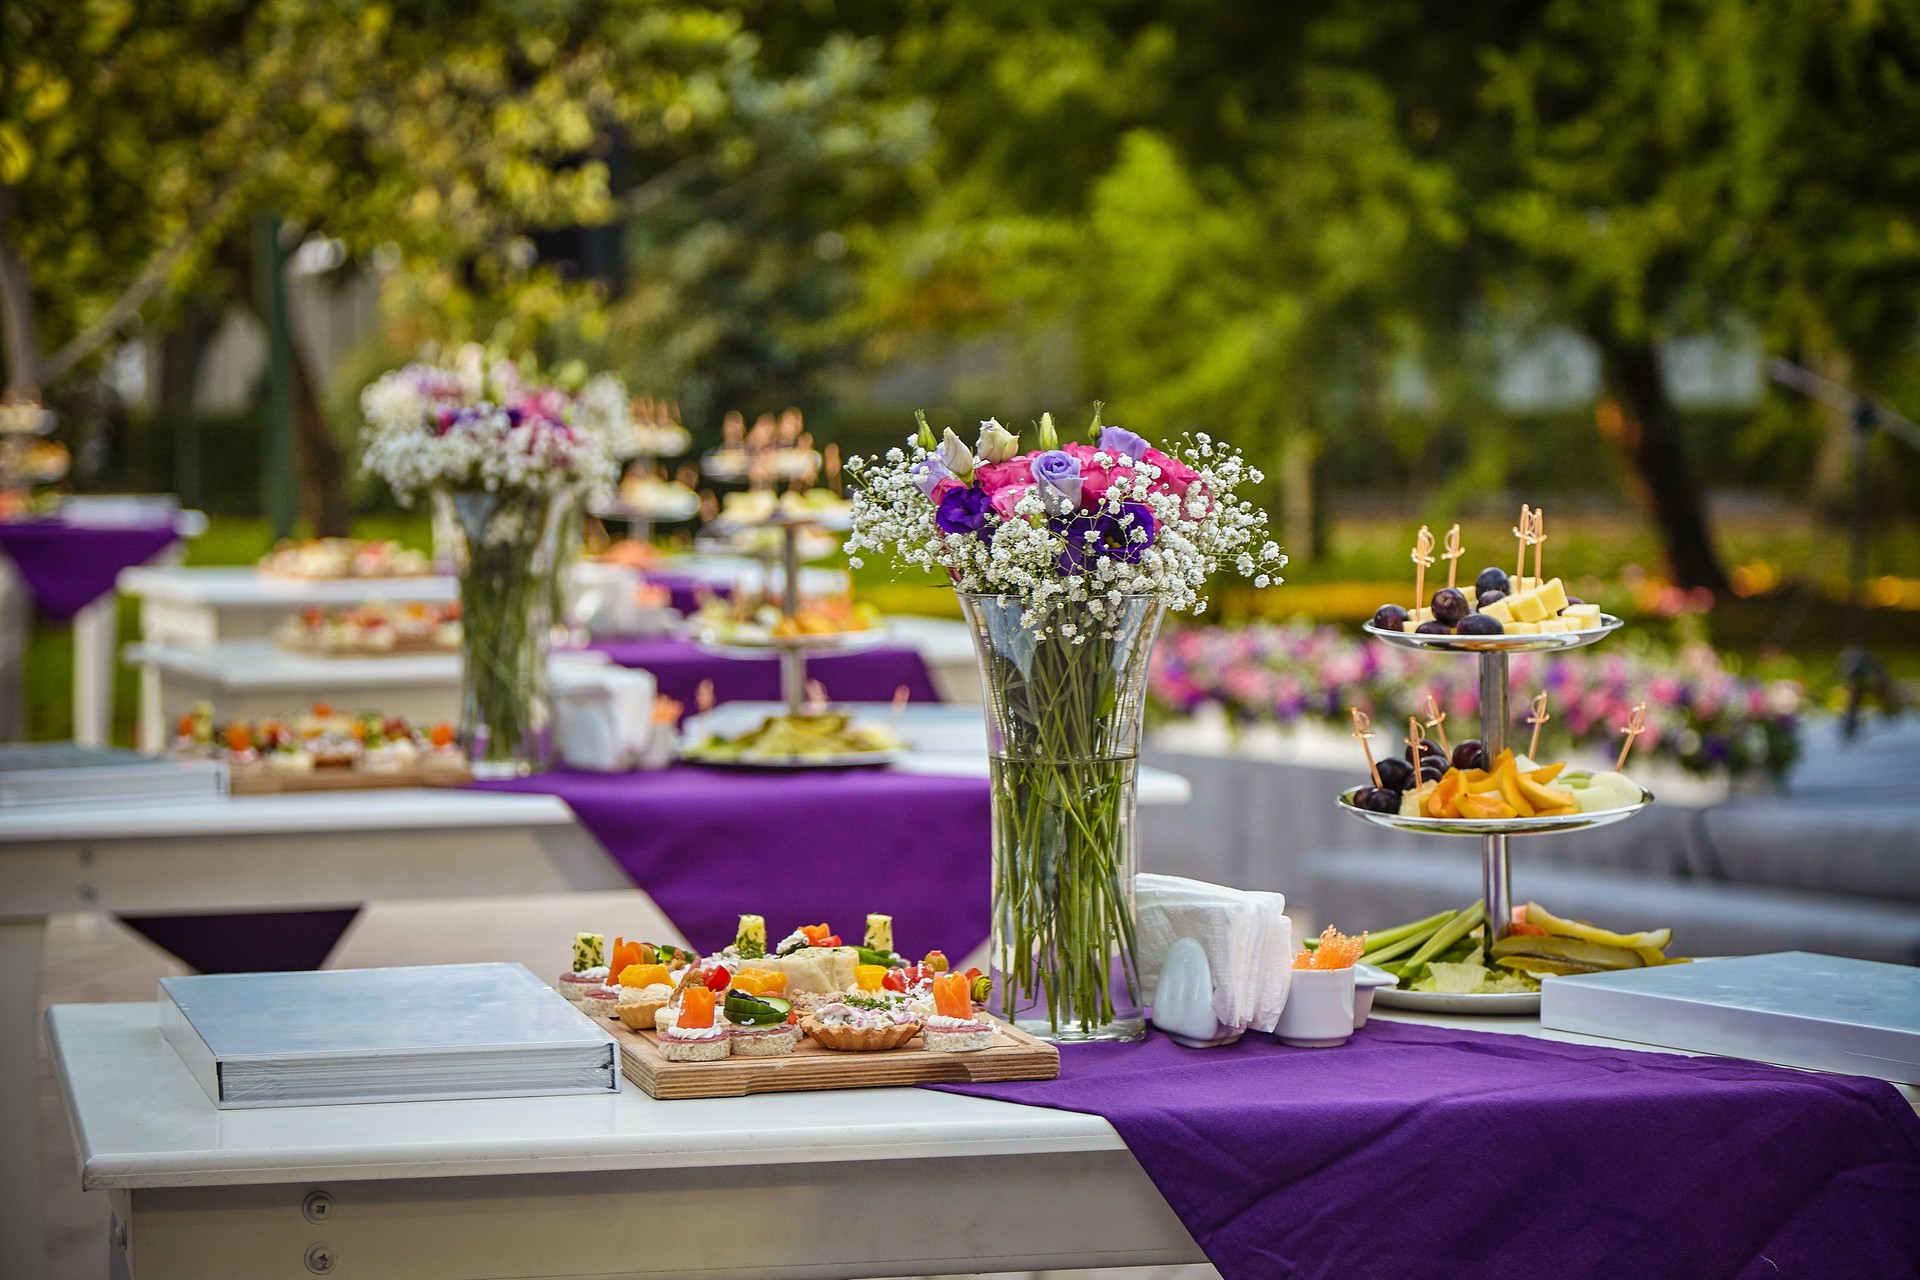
(398, 649)
(262, 780)
(1015, 1055)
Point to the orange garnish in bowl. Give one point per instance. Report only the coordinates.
(1335, 951)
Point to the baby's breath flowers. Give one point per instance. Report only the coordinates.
(1070, 529)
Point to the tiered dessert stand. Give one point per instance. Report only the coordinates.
(22, 468)
(793, 650)
(640, 519)
(1495, 878)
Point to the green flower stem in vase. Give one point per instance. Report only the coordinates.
(503, 548)
(1063, 704)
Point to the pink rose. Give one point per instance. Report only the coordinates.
(946, 486)
(1095, 478)
(996, 476)
(1006, 498)
(1176, 477)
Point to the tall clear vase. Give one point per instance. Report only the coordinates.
(1063, 728)
(502, 546)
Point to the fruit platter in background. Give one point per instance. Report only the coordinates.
(318, 559)
(1442, 958)
(373, 629)
(745, 623)
(1702, 714)
(811, 1011)
(644, 492)
(322, 750)
(816, 737)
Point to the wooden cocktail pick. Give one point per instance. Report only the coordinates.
(1524, 533)
(703, 696)
(832, 456)
(1635, 726)
(1453, 553)
(1539, 536)
(1537, 717)
(900, 696)
(1413, 745)
(1422, 557)
(1363, 730)
(1437, 721)
(816, 698)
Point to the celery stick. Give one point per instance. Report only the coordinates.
(1420, 928)
(1401, 947)
(1449, 933)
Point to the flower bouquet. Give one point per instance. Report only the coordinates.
(1065, 558)
(508, 460)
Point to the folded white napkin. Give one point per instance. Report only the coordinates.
(1246, 935)
(604, 716)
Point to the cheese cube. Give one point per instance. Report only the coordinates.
(1500, 610)
(1472, 593)
(879, 932)
(750, 939)
(589, 951)
(1409, 627)
(1554, 596)
(1586, 615)
(1527, 606)
(1522, 628)
(1519, 585)
(1555, 625)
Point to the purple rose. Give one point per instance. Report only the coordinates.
(929, 472)
(1120, 440)
(964, 511)
(1056, 477)
(1103, 533)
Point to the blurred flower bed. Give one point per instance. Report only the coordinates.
(1701, 714)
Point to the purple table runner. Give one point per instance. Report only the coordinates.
(799, 848)
(680, 665)
(69, 566)
(1423, 1151)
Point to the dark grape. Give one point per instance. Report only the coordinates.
(1479, 624)
(1433, 770)
(1575, 600)
(1361, 797)
(1491, 580)
(1382, 800)
(1449, 605)
(1429, 750)
(1471, 754)
(1395, 773)
(1488, 597)
(1434, 628)
(1389, 617)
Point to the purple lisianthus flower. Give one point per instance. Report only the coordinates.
(1105, 533)
(929, 472)
(1056, 477)
(964, 511)
(1120, 440)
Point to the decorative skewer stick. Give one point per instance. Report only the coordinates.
(703, 696)
(1635, 726)
(1437, 721)
(1413, 745)
(1539, 536)
(1422, 557)
(1453, 553)
(1524, 533)
(816, 698)
(1537, 717)
(900, 696)
(1363, 730)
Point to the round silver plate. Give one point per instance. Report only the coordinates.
(1494, 826)
(823, 646)
(666, 513)
(1503, 1002)
(843, 760)
(1551, 643)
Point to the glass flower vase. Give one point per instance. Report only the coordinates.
(502, 545)
(1063, 732)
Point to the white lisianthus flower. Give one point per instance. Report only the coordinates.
(959, 458)
(996, 444)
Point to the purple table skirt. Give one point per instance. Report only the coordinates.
(799, 848)
(680, 665)
(1423, 1151)
(685, 589)
(67, 567)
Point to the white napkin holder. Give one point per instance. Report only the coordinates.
(1183, 1002)
(604, 599)
(604, 718)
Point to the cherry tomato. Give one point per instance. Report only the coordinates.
(972, 974)
(896, 980)
(832, 940)
(719, 979)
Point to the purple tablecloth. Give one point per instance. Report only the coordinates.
(680, 665)
(1422, 1151)
(685, 589)
(798, 848)
(68, 567)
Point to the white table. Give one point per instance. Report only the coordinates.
(619, 1185)
(256, 853)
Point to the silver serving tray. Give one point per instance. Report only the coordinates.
(1494, 826)
(842, 760)
(824, 645)
(1552, 643)
(1503, 1002)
